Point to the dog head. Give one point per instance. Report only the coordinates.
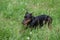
(27, 18)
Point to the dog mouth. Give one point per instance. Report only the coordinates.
(26, 21)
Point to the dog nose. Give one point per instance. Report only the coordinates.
(23, 22)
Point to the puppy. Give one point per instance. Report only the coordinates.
(33, 22)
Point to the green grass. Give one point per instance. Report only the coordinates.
(12, 13)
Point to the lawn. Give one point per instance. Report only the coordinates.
(12, 13)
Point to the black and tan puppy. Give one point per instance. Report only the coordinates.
(33, 22)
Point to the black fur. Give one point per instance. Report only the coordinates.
(38, 20)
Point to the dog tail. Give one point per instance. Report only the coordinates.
(49, 21)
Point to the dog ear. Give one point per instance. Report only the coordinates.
(30, 13)
(26, 13)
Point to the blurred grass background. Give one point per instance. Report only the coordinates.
(12, 13)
